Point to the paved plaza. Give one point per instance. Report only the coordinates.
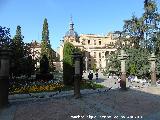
(108, 103)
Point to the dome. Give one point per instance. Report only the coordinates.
(71, 31)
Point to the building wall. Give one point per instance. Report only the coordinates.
(95, 46)
(36, 52)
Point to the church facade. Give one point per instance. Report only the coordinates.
(96, 47)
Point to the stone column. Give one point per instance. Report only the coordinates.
(152, 60)
(86, 59)
(123, 57)
(77, 76)
(4, 76)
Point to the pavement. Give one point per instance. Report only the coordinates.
(141, 102)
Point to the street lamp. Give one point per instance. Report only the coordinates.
(77, 76)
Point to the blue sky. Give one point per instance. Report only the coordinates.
(89, 16)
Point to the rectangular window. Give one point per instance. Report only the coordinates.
(88, 41)
(99, 55)
(89, 55)
(94, 42)
(95, 54)
(72, 40)
(99, 42)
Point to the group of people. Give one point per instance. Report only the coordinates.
(90, 75)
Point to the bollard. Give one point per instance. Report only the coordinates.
(123, 57)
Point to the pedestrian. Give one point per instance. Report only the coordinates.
(129, 78)
(96, 75)
(90, 76)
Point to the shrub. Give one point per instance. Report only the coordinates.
(68, 68)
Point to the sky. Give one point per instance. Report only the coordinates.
(89, 16)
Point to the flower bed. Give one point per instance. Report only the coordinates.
(49, 87)
(36, 88)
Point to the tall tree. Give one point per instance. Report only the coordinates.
(23, 63)
(18, 44)
(142, 30)
(18, 52)
(68, 68)
(156, 39)
(151, 19)
(145, 35)
(45, 44)
(135, 29)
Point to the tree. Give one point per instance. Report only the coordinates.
(45, 44)
(137, 62)
(151, 19)
(18, 52)
(44, 65)
(157, 44)
(132, 69)
(113, 63)
(68, 68)
(135, 29)
(144, 37)
(23, 63)
(142, 30)
(5, 38)
(94, 68)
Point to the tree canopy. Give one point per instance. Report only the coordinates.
(22, 61)
(45, 44)
(144, 39)
(5, 37)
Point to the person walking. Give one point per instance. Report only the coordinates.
(90, 76)
(96, 75)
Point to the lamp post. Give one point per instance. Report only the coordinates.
(77, 75)
(123, 56)
(4, 76)
(152, 60)
(86, 59)
(5, 55)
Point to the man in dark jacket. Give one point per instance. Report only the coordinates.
(90, 76)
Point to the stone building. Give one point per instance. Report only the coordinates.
(35, 49)
(96, 47)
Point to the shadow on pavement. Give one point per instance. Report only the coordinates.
(133, 103)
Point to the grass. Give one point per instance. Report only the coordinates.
(91, 85)
(84, 85)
